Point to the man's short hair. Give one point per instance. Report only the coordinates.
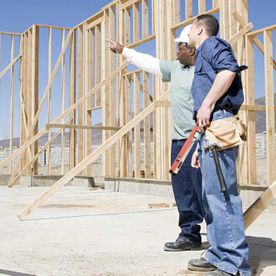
(209, 23)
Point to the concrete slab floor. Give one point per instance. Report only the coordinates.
(81, 231)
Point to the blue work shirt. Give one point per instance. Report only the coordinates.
(213, 56)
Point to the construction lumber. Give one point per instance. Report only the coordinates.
(11, 100)
(62, 126)
(8, 67)
(256, 209)
(89, 159)
(269, 100)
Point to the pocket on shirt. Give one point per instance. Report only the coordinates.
(199, 69)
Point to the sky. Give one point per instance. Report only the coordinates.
(19, 15)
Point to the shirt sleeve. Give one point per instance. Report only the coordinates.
(166, 69)
(220, 55)
(145, 62)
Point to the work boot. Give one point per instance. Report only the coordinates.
(182, 244)
(200, 265)
(218, 272)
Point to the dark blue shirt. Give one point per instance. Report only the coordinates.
(212, 57)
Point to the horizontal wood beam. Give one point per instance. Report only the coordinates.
(53, 27)
(257, 32)
(249, 107)
(49, 126)
(94, 108)
(142, 41)
(8, 33)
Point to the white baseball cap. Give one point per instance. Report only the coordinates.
(184, 35)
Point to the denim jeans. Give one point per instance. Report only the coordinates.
(187, 192)
(223, 210)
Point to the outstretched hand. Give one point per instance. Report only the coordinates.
(115, 46)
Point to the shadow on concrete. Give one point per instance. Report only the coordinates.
(14, 273)
(262, 254)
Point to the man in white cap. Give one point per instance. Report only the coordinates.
(187, 183)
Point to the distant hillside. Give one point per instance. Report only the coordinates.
(97, 139)
(260, 115)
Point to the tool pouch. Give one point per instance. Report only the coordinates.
(225, 133)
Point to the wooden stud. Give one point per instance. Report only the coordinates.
(251, 121)
(224, 19)
(215, 4)
(49, 97)
(269, 98)
(177, 12)
(188, 9)
(33, 86)
(147, 140)
(98, 62)
(122, 90)
(70, 126)
(201, 6)
(127, 27)
(136, 26)
(240, 52)
(145, 18)
(234, 26)
(11, 100)
(112, 107)
(87, 105)
(63, 137)
(72, 133)
(129, 138)
(137, 150)
(80, 92)
(106, 94)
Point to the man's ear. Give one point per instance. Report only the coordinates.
(192, 51)
(200, 30)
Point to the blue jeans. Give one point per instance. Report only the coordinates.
(223, 210)
(187, 192)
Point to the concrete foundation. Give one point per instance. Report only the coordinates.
(85, 231)
(163, 188)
